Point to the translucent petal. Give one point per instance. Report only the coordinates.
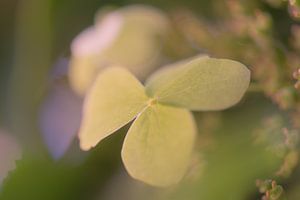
(87, 48)
(158, 145)
(93, 40)
(131, 37)
(82, 73)
(144, 31)
(114, 100)
(201, 84)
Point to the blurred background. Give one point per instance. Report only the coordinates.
(247, 152)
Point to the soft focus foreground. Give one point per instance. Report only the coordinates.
(196, 129)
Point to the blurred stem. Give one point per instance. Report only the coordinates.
(33, 47)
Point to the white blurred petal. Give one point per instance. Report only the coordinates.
(95, 39)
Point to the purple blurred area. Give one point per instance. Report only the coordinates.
(60, 113)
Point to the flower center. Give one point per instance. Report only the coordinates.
(152, 102)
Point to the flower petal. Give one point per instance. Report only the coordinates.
(201, 84)
(158, 145)
(115, 99)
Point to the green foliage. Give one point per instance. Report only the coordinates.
(271, 189)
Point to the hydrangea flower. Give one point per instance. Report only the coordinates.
(159, 143)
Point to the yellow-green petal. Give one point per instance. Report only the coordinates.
(81, 75)
(158, 145)
(114, 100)
(201, 84)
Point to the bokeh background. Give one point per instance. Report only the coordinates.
(247, 152)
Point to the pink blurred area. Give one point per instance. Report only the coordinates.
(10, 151)
(60, 113)
(95, 39)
